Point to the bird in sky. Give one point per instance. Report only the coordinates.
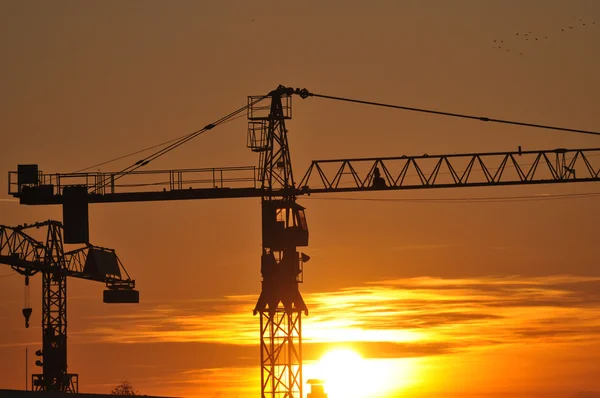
(517, 42)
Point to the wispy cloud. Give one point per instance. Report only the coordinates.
(403, 313)
(430, 331)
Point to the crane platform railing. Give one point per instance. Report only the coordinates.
(107, 183)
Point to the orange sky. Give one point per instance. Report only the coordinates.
(469, 299)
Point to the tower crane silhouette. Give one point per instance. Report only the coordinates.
(28, 256)
(284, 226)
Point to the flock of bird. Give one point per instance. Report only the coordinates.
(516, 43)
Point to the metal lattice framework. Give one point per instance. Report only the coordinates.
(280, 303)
(28, 256)
(445, 171)
(21, 251)
(54, 319)
(345, 175)
(281, 338)
(275, 163)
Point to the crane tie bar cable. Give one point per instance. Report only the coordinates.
(143, 162)
(305, 93)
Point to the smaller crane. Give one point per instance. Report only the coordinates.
(28, 256)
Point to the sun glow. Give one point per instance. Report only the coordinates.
(347, 374)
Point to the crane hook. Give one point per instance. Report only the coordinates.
(27, 310)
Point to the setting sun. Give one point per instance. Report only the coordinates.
(341, 370)
(346, 374)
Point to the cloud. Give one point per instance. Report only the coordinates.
(410, 317)
(441, 328)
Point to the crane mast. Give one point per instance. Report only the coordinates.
(29, 256)
(54, 375)
(280, 304)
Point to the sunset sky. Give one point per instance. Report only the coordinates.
(417, 297)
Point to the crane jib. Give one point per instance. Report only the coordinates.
(32, 187)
